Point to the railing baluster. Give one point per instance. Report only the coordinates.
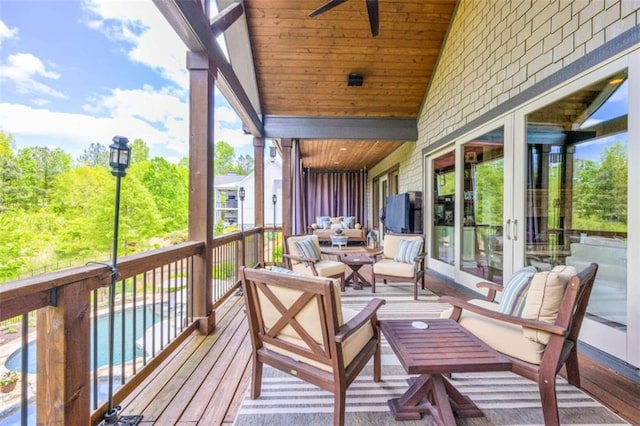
(153, 307)
(161, 307)
(144, 319)
(134, 326)
(95, 348)
(24, 373)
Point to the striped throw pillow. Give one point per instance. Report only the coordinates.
(307, 248)
(515, 291)
(408, 250)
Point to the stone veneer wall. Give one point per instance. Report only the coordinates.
(495, 49)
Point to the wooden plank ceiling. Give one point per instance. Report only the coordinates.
(302, 64)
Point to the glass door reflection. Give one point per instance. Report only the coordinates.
(482, 237)
(443, 202)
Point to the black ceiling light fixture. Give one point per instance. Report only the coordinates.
(372, 10)
(355, 79)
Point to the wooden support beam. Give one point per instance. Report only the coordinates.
(287, 187)
(258, 202)
(63, 357)
(201, 150)
(226, 18)
(192, 25)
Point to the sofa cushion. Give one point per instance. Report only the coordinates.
(408, 250)
(543, 299)
(503, 337)
(515, 291)
(335, 226)
(336, 219)
(348, 222)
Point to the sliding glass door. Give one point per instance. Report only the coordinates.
(577, 197)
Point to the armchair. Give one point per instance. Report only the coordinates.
(402, 259)
(308, 259)
(545, 335)
(297, 325)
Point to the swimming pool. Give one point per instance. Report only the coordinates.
(131, 339)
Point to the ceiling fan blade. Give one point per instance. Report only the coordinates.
(372, 8)
(327, 6)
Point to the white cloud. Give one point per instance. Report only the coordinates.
(226, 115)
(22, 69)
(6, 32)
(79, 130)
(151, 40)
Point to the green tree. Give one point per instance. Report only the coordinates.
(168, 185)
(40, 167)
(96, 155)
(244, 165)
(139, 151)
(9, 171)
(223, 158)
(600, 190)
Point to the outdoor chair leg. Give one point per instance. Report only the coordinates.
(256, 380)
(573, 371)
(547, 386)
(377, 361)
(339, 402)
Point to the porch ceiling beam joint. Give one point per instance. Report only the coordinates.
(364, 128)
(192, 25)
(224, 19)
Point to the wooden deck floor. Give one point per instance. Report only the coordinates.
(204, 381)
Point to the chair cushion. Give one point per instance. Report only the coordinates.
(307, 317)
(392, 243)
(543, 299)
(390, 267)
(515, 291)
(408, 250)
(307, 247)
(350, 347)
(503, 337)
(324, 268)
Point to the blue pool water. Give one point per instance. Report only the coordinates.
(130, 337)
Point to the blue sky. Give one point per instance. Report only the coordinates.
(73, 72)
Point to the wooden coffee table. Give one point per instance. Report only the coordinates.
(355, 258)
(442, 348)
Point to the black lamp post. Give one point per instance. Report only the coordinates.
(241, 195)
(119, 160)
(274, 200)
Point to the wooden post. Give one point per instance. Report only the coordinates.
(63, 385)
(287, 187)
(201, 151)
(258, 202)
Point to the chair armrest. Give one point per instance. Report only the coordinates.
(459, 305)
(353, 325)
(300, 259)
(376, 254)
(330, 253)
(492, 288)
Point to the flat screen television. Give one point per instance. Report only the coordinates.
(397, 214)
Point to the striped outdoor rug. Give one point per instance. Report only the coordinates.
(504, 398)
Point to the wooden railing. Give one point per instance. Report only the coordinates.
(68, 303)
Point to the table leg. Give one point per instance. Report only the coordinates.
(357, 285)
(432, 394)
